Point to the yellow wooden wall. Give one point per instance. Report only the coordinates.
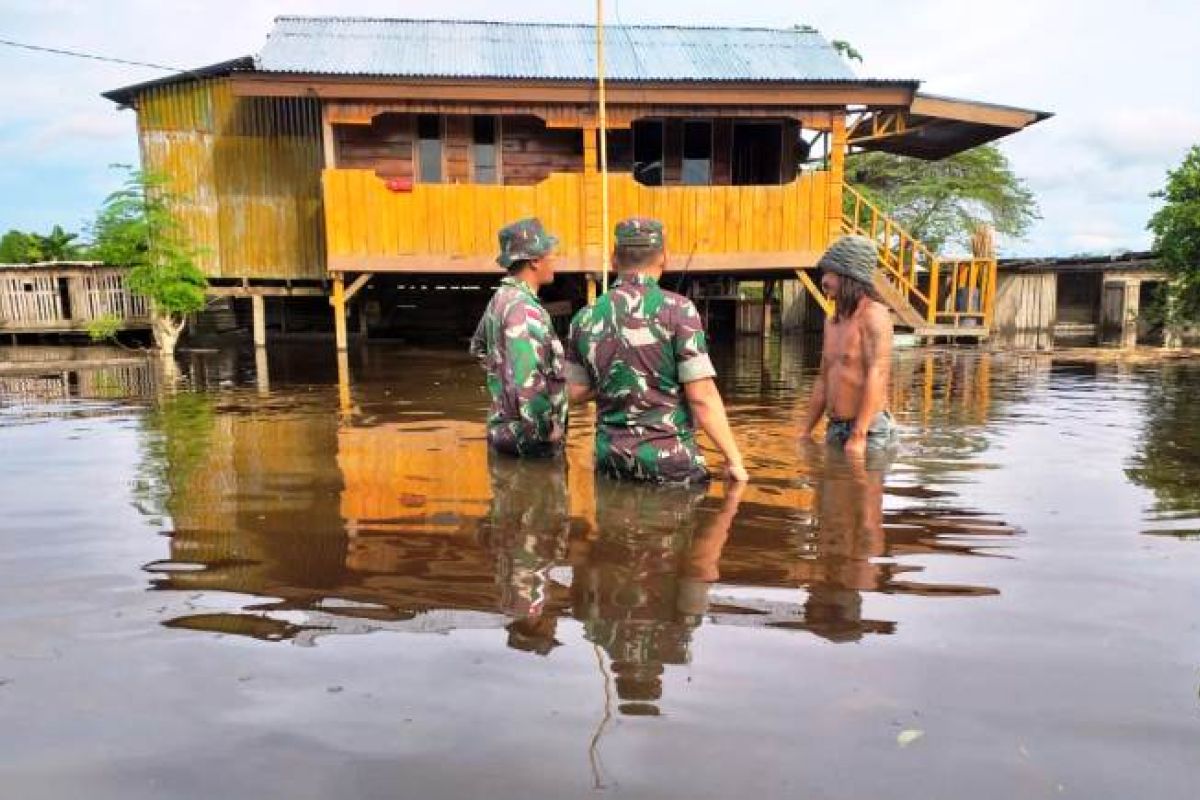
(247, 171)
(365, 219)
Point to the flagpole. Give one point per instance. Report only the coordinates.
(604, 248)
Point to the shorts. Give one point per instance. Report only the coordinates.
(881, 435)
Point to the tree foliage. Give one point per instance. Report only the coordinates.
(19, 247)
(137, 228)
(942, 202)
(1176, 228)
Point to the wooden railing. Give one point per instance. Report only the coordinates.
(370, 227)
(942, 291)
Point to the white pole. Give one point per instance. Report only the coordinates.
(604, 241)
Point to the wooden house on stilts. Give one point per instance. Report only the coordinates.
(353, 147)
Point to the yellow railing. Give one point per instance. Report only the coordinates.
(367, 220)
(942, 291)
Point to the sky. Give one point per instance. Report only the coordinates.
(1122, 80)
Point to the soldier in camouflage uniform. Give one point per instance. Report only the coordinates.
(517, 346)
(641, 352)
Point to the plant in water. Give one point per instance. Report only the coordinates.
(137, 227)
(104, 328)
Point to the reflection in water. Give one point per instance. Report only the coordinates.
(285, 519)
(525, 531)
(642, 586)
(1168, 460)
(393, 518)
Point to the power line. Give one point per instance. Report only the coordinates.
(91, 56)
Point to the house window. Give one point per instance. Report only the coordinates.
(483, 149)
(648, 152)
(757, 153)
(697, 153)
(429, 148)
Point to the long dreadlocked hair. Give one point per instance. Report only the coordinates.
(850, 292)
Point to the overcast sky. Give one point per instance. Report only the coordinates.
(1123, 80)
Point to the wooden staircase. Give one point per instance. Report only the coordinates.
(929, 295)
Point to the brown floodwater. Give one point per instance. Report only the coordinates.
(234, 584)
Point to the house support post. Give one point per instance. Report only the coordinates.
(1129, 317)
(259, 305)
(338, 300)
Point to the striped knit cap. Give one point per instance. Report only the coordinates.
(852, 256)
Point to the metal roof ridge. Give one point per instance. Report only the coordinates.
(517, 24)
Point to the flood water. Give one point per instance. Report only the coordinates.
(231, 587)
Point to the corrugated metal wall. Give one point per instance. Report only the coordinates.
(248, 171)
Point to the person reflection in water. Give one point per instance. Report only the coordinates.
(849, 534)
(642, 587)
(525, 532)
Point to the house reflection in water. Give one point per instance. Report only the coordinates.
(394, 519)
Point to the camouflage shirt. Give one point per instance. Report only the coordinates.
(523, 359)
(636, 346)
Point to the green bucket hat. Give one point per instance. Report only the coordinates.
(852, 256)
(640, 232)
(524, 240)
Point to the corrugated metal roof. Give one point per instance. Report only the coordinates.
(454, 49)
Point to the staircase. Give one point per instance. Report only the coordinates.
(929, 295)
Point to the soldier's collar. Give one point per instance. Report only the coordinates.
(512, 280)
(637, 279)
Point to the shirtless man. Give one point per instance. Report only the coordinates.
(852, 387)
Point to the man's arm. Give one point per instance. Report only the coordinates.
(876, 357)
(538, 371)
(478, 347)
(709, 411)
(816, 404)
(579, 379)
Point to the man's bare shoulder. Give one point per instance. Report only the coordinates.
(874, 316)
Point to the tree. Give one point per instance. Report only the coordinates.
(941, 202)
(17, 247)
(57, 246)
(137, 228)
(1176, 228)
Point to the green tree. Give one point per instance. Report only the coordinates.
(942, 202)
(137, 228)
(58, 245)
(1176, 228)
(17, 247)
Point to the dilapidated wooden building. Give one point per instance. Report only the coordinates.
(66, 297)
(1079, 300)
(353, 147)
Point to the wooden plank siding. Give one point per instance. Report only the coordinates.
(441, 227)
(32, 299)
(246, 172)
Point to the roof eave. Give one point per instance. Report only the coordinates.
(126, 96)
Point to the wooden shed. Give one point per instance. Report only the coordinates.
(351, 147)
(64, 296)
